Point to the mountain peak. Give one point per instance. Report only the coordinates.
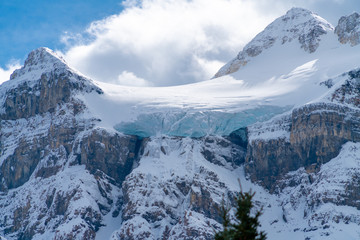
(303, 17)
(39, 61)
(297, 24)
(42, 55)
(297, 11)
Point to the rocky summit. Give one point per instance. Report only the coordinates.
(81, 159)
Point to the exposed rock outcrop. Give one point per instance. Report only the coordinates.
(168, 205)
(348, 29)
(51, 85)
(112, 154)
(308, 137)
(335, 186)
(47, 102)
(44, 142)
(317, 133)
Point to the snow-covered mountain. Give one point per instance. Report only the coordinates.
(81, 159)
(298, 25)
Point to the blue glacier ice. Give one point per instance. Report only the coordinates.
(196, 123)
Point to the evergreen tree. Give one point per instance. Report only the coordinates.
(244, 226)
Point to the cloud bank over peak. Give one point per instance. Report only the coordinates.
(163, 43)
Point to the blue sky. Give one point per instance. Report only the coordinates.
(144, 42)
(29, 24)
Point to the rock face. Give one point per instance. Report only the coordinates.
(323, 194)
(175, 188)
(297, 24)
(309, 158)
(44, 83)
(44, 141)
(43, 103)
(348, 29)
(109, 153)
(315, 135)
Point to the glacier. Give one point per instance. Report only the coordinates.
(197, 123)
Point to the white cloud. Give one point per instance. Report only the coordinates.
(170, 42)
(130, 79)
(5, 73)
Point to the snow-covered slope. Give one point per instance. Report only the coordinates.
(284, 75)
(87, 160)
